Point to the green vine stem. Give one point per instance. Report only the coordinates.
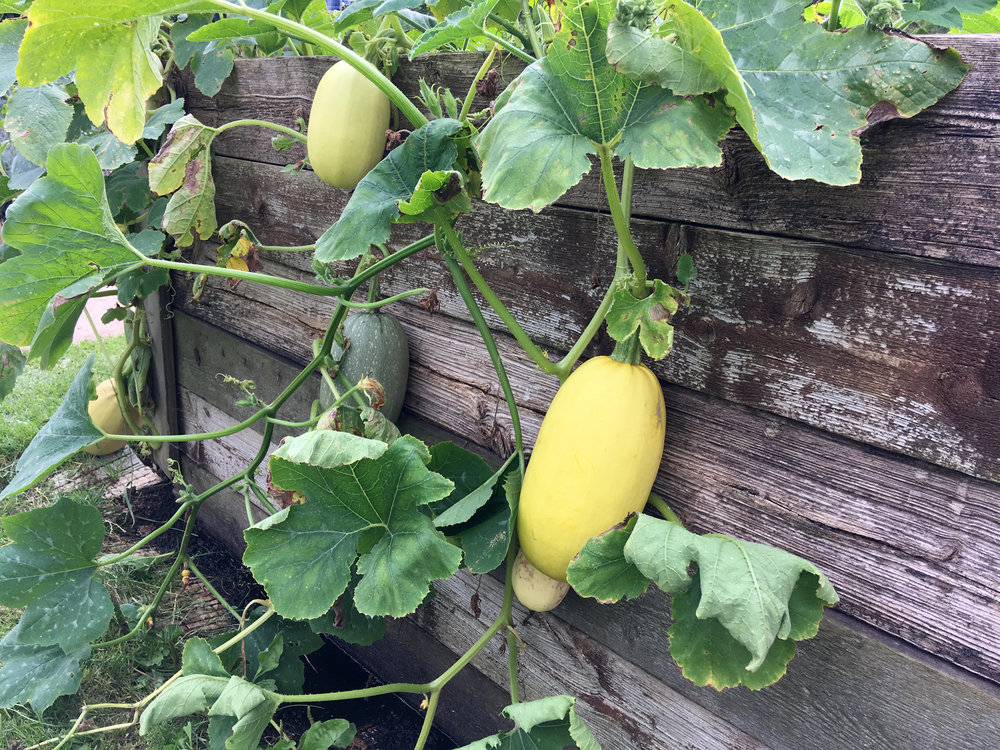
(508, 46)
(161, 592)
(352, 58)
(263, 124)
(374, 305)
(529, 25)
(425, 729)
(211, 589)
(665, 510)
(833, 22)
(618, 216)
(483, 70)
(490, 296)
(491, 347)
(166, 526)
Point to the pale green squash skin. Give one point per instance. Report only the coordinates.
(347, 124)
(378, 349)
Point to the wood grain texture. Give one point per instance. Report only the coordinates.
(898, 352)
(804, 496)
(926, 185)
(910, 547)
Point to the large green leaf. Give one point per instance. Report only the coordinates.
(545, 724)
(747, 587)
(189, 694)
(65, 231)
(49, 568)
(37, 119)
(345, 621)
(367, 510)
(58, 322)
(111, 152)
(803, 94)
(561, 108)
(709, 655)
(108, 44)
(981, 23)
(37, 674)
(651, 58)
(69, 430)
(374, 205)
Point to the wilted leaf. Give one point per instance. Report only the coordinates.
(651, 315)
(747, 587)
(108, 46)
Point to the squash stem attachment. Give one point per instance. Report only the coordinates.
(358, 62)
(483, 70)
(621, 220)
(490, 296)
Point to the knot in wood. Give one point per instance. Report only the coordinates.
(801, 299)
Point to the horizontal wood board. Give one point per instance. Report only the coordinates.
(847, 687)
(895, 351)
(927, 182)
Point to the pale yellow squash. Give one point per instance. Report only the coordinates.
(594, 462)
(347, 124)
(105, 413)
(535, 590)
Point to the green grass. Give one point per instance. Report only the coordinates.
(118, 674)
(38, 393)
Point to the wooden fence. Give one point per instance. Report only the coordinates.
(834, 390)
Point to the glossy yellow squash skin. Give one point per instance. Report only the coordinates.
(347, 124)
(106, 415)
(594, 462)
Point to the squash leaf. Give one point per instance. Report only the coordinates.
(37, 674)
(38, 118)
(805, 117)
(561, 108)
(651, 316)
(546, 724)
(367, 510)
(49, 568)
(748, 588)
(602, 572)
(374, 206)
(64, 229)
(69, 430)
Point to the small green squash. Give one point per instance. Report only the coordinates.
(376, 347)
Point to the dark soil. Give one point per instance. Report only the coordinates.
(383, 723)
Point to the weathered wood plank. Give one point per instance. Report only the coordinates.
(891, 532)
(926, 185)
(899, 352)
(817, 499)
(835, 695)
(163, 380)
